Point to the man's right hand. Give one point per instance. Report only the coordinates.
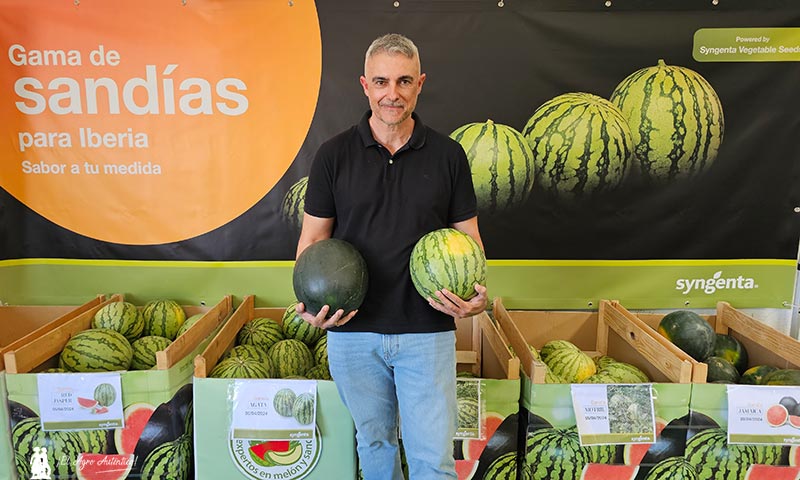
(336, 320)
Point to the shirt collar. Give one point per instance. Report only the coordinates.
(416, 141)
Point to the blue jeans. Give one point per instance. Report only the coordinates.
(380, 375)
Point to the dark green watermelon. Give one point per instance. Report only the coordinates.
(755, 375)
(788, 376)
(732, 350)
(721, 370)
(689, 332)
(330, 272)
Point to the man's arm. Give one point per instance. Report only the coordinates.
(316, 229)
(450, 303)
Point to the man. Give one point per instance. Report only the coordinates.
(381, 185)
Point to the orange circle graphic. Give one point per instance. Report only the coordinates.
(146, 122)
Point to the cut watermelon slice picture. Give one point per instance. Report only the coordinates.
(100, 466)
(602, 471)
(261, 449)
(87, 402)
(771, 472)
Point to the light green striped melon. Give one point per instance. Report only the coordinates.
(122, 317)
(96, 350)
(320, 351)
(303, 408)
(447, 258)
(555, 345)
(169, 460)
(555, 453)
(625, 373)
(573, 366)
(283, 401)
(713, 457)
(252, 352)
(581, 145)
(295, 327)
(239, 367)
(105, 394)
(501, 162)
(672, 468)
(261, 332)
(291, 357)
(188, 323)
(293, 204)
(144, 351)
(163, 318)
(675, 118)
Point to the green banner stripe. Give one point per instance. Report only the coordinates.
(82, 425)
(273, 434)
(747, 45)
(764, 439)
(617, 438)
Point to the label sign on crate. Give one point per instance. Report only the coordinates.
(614, 414)
(273, 409)
(80, 401)
(763, 414)
(468, 396)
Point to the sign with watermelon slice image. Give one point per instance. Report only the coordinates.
(286, 459)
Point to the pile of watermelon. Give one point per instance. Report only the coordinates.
(124, 337)
(266, 348)
(566, 363)
(725, 355)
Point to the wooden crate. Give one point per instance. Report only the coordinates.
(764, 344)
(607, 331)
(41, 349)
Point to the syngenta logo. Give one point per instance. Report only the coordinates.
(716, 282)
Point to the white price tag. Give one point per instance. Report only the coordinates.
(614, 414)
(80, 401)
(274, 409)
(763, 414)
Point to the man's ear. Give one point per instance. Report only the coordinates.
(364, 84)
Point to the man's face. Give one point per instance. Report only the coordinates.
(392, 83)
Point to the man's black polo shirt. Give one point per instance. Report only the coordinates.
(383, 204)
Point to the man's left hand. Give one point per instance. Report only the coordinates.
(454, 306)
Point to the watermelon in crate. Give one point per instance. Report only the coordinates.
(623, 351)
(155, 404)
(269, 458)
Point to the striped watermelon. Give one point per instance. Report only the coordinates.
(169, 460)
(293, 203)
(572, 365)
(714, 458)
(501, 162)
(555, 453)
(291, 357)
(447, 258)
(675, 118)
(93, 441)
(144, 351)
(249, 351)
(581, 145)
(163, 318)
(303, 408)
(556, 345)
(96, 350)
(28, 434)
(123, 317)
(623, 372)
(105, 394)
(503, 467)
(295, 327)
(238, 367)
(672, 468)
(261, 332)
(468, 410)
(319, 372)
(188, 323)
(284, 401)
(320, 351)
